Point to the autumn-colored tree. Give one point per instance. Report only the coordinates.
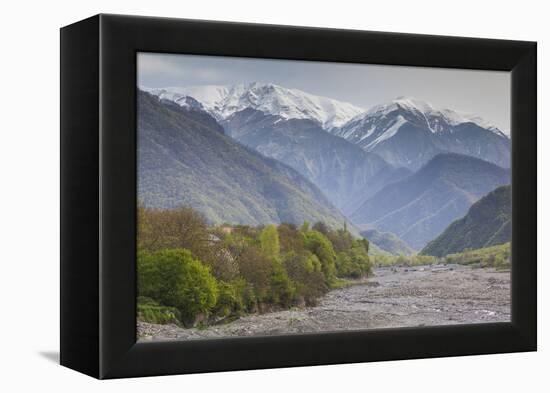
(341, 239)
(255, 268)
(185, 228)
(320, 226)
(304, 269)
(290, 238)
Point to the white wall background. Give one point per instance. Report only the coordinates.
(29, 195)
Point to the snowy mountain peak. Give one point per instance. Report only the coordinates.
(183, 100)
(406, 103)
(223, 101)
(421, 112)
(410, 103)
(419, 130)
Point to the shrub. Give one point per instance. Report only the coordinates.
(150, 311)
(234, 298)
(497, 256)
(174, 279)
(345, 267)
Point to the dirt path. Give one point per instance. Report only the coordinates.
(394, 297)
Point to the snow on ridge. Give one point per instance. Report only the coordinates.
(288, 103)
(222, 101)
(391, 131)
(183, 100)
(430, 114)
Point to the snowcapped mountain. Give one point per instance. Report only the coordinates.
(184, 101)
(224, 101)
(344, 172)
(409, 132)
(184, 158)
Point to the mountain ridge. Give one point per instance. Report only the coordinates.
(409, 132)
(224, 100)
(387, 242)
(185, 158)
(422, 205)
(353, 155)
(487, 223)
(343, 171)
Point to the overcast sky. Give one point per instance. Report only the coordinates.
(484, 93)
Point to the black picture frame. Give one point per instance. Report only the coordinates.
(98, 195)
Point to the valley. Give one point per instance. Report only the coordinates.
(404, 168)
(286, 197)
(266, 210)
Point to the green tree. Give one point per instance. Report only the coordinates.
(269, 241)
(319, 245)
(360, 257)
(282, 288)
(345, 266)
(230, 298)
(173, 278)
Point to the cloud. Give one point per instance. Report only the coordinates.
(173, 68)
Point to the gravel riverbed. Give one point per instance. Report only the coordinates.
(393, 297)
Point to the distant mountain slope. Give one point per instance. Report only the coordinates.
(344, 172)
(223, 101)
(487, 223)
(388, 242)
(408, 133)
(184, 157)
(422, 205)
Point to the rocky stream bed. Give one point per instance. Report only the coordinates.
(393, 297)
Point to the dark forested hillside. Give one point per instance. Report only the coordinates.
(186, 159)
(487, 223)
(421, 206)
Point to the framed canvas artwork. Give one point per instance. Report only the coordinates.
(315, 196)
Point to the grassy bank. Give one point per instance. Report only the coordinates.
(495, 256)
